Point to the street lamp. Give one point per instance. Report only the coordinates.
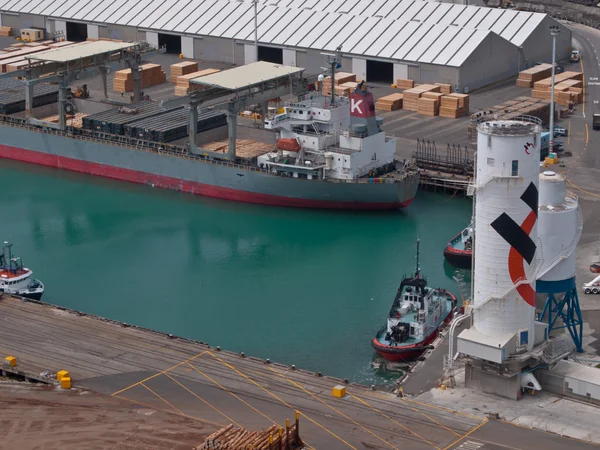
(554, 31)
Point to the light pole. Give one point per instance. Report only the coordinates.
(255, 30)
(554, 30)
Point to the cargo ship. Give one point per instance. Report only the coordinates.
(459, 250)
(17, 279)
(332, 153)
(413, 323)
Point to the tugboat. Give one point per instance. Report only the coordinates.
(16, 279)
(416, 316)
(459, 251)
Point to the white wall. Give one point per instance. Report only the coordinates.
(0, 20)
(93, 32)
(61, 25)
(359, 68)
(187, 46)
(400, 71)
(289, 57)
(152, 38)
(249, 54)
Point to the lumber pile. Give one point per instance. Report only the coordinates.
(340, 89)
(390, 102)
(244, 148)
(454, 105)
(519, 106)
(184, 87)
(568, 87)
(151, 75)
(60, 44)
(5, 31)
(403, 83)
(412, 96)
(182, 68)
(75, 121)
(534, 74)
(428, 106)
(340, 78)
(14, 66)
(235, 438)
(446, 89)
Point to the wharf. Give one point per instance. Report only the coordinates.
(215, 387)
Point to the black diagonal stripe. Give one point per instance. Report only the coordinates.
(515, 236)
(530, 197)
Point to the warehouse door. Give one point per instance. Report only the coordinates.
(270, 54)
(380, 72)
(172, 42)
(76, 32)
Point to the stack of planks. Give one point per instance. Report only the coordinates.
(18, 55)
(446, 88)
(412, 96)
(403, 83)
(184, 87)
(61, 44)
(454, 105)
(5, 31)
(151, 74)
(75, 121)
(233, 438)
(182, 68)
(519, 106)
(428, 106)
(244, 148)
(340, 89)
(536, 73)
(340, 78)
(568, 87)
(390, 102)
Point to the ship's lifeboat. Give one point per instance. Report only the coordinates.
(291, 145)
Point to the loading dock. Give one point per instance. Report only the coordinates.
(380, 71)
(270, 54)
(77, 32)
(171, 42)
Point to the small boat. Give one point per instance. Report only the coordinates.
(16, 279)
(415, 318)
(459, 251)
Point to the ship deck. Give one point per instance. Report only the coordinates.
(214, 386)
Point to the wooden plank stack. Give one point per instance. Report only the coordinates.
(568, 87)
(454, 105)
(519, 106)
(5, 31)
(536, 73)
(184, 87)
(151, 75)
(234, 438)
(75, 121)
(446, 89)
(340, 78)
(428, 106)
(403, 83)
(390, 102)
(412, 96)
(182, 68)
(340, 89)
(244, 148)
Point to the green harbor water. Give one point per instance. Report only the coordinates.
(303, 287)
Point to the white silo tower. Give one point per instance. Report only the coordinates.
(559, 224)
(506, 241)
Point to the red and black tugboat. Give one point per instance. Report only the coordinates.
(415, 318)
(459, 251)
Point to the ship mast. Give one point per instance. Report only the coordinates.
(417, 270)
(334, 60)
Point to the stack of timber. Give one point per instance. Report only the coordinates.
(244, 148)
(566, 89)
(390, 102)
(182, 68)
(5, 31)
(114, 120)
(184, 87)
(75, 121)
(446, 88)
(536, 73)
(151, 74)
(403, 83)
(234, 438)
(340, 78)
(514, 108)
(412, 96)
(19, 54)
(173, 125)
(454, 105)
(341, 90)
(61, 44)
(428, 106)
(12, 95)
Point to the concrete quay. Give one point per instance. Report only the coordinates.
(215, 387)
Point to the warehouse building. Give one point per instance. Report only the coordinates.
(382, 40)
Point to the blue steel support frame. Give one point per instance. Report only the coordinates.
(567, 308)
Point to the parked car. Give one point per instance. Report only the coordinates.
(558, 131)
(595, 267)
(575, 56)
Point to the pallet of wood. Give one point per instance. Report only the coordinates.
(184, 85)
(15, 66)
(390, 102)
(341, 90)
(446, 89)
(182, 68)
(529, 76)
(428, 106)
(340, 78)
(558, 78)
(151, 75)
(404, 83)
(410, 101)
(22, 52)
(454, 105)
(234, 438)
(519, 106)
(244, 148)
(5, 31)
(75, 121)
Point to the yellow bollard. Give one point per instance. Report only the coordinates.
(62, 374)
(65, 382)
(10, 361)
(181, 56)
(338, 391)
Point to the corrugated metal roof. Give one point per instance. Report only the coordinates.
(577, 371)
(404, 30)
(248, 75)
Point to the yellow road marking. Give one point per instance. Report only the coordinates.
(176, 409)
(333, 408)
(472, 430)
(160, 373)
(582, 85)
(396, 422)
(204, 401)
(433, 420)
(227, 390)
(582, 190)
(587, 135)
(471, 416)
(281, 400)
